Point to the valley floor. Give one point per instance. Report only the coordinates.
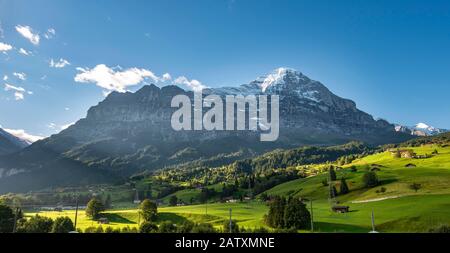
(406, 214)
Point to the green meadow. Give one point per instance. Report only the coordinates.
(396, 207)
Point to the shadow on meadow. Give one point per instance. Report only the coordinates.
(116, 218)
(326, 227)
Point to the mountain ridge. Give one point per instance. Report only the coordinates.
(420, 129)
(10, 143)
(131, 132)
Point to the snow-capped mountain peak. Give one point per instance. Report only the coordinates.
(288, 83)
(420, 129)
(423, 126)
(277, 80)
(276, 77)
(10, 143)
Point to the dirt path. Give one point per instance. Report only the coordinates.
(374, 200)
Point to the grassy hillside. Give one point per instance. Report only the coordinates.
(396, 206)
(432, 173)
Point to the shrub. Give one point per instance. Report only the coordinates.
(148, 227)
(90, 230)
(167, 227)
(234, 226)
(36, 224)
(204, 228)
(260, 230)
(285, 231)
(415, 187)
(186, 227)
(441, 229)
(63, 225)
(99, 230)
(127, 230)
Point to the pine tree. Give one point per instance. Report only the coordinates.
(333, 192)
(332, 174)
(296, 215)
(344, 187)
(275, 217)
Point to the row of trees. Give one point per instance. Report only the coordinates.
(40, 224)
(369, 180)
(10, 220)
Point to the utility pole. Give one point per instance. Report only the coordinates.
(206, 201)
(76, 212)
(250, 193)
(330, 197)
(373, 222)
(15, 220)
(231, 223)
(312, 217)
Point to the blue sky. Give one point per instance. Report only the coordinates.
(391, 57)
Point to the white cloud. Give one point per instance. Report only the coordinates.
(194, 85)
(119, 79)
(5, 77)
(28, 34)
(21, 134)
(18, 96)
(50, 33)
(25, 52)
(9, 87)
(19, 92)
(21, 76)
(114, 80)
(5, 47)
(61, 63)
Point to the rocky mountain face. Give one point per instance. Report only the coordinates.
(306, 104)
(10, 143)
(420, 129)
(131, 132)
